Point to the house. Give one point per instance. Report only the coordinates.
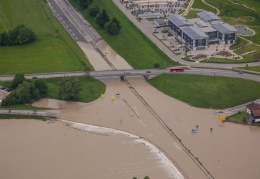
(198, 33)
(253, 111)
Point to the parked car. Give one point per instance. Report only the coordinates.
(34, 77)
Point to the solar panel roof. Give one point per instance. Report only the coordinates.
(179, 21)
(208, 16)
(224, 28)
(194, 33)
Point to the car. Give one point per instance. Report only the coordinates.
(148, 71)
(1, 87)
(34, 77)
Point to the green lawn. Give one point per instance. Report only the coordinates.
(207, 91)
(200, 5)
(192, 14)
(131, 43)
(240, 43)
(256, 68)
(91, 89)
(239, 118)
(54, 49)
(15, 116)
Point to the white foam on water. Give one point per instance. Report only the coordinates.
(172, 171)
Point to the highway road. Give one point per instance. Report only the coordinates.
(128, 73)
(73, 22)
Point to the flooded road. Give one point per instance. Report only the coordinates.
(226, 152)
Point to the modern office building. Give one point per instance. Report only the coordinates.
(199, 33)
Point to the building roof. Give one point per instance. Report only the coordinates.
(208, 16)
(160, 21)
(150, 15)
(256, 113)
(224, 28)
(202, 25)
(194, 33)
(179, 21)
(253, 106)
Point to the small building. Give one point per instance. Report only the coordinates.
(253, 111)
(150, 15)
(159, 23)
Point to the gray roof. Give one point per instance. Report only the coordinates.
(160, 21)
(179, 21)
(194, 33)
(224, 28)
(208, 16)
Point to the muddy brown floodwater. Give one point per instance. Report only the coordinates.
(229, 151)
(34, 149)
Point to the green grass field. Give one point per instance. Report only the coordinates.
(256, 68)
(54, 49)
(91, 89)
(239, 118)
(131, 43)
(192, 14)
(207, 91)
(15, 116)
(200, 5)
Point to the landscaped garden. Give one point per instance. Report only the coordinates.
(207, 91)
(236, 14)
(54, 49)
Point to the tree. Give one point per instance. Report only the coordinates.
(18, 36)
(146, 177)
(4, 39)
(41, 86)
(85, 3)
(23, 93)
(69, 88)
(113, 27)
(94, 10)
(18, 79)
(102, 18)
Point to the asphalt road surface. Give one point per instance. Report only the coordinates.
(73, 22)
(148, 72)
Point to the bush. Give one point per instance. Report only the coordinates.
(94, 10)
(156, 65)
(20, 35)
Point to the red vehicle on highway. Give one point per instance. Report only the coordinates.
(176, 69)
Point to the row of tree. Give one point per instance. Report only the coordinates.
(18, 36)
(25, 91)
(112, 26)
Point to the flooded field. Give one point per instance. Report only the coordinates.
(226, 152)
(34, 149)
